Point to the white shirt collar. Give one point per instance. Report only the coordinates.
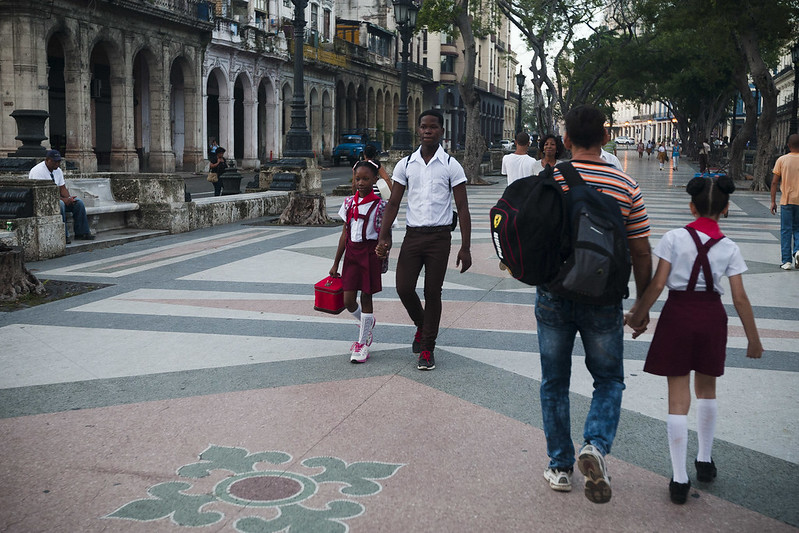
(440, 154)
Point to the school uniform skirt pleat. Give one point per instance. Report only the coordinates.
(691, 334)
(362, 268)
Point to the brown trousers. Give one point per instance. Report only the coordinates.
(431, 251)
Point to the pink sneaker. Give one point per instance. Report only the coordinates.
(360, 352)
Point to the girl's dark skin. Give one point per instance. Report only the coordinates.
(364, 179)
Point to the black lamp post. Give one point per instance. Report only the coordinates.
(405, 12)
(794, 127)
(520, 84)
(298, 138)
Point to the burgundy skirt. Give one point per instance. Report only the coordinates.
(362, 268)
(691, 335)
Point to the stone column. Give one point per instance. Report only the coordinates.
(123, 146)
(250, 159)
(194, 147)
(162, 160)
(77, 79)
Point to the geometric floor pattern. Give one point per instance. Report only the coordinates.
(201, 390)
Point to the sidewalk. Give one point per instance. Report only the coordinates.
(200, 389)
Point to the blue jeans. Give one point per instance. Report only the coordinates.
(601, 330)
(789, 229)
(79, 218)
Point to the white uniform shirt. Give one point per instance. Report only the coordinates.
(678, 248)
(607, 157)
(356, 226)
(429, 187)
(41, 172)
(516, 166)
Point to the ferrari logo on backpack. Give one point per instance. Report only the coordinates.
(497, 220)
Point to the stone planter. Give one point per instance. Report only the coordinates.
(30, 129)
(231, 182)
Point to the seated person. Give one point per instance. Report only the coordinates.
(49, 169)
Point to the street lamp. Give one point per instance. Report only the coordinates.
(794, 127)
(405, 12)
(520, 84)
(298, 138)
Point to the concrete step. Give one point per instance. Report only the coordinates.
(106, 239)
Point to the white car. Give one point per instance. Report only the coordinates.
(507, 145)
(622, 139)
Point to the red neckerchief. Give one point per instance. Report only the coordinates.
(708, 226)
(371, 197)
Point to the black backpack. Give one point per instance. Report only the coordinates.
(597, 269)
(528, 228)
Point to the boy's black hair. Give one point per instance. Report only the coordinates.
(585, 125)
(371, 165)
(433, 113)
(710, 195)
(370, 151)
(559, 148)
(522, 138)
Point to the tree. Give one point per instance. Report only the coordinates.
(471, 19)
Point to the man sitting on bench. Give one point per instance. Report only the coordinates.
(49, 169)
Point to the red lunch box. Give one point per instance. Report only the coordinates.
(329, 296)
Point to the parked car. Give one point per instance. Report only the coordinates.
(623, 139)
(351, 147)
(507, 145)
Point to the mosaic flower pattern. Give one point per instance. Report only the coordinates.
(250, 487)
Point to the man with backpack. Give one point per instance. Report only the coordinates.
(567, 306)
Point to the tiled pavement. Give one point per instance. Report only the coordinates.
(200, 389)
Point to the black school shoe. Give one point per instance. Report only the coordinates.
(679, 492)
(705, 472)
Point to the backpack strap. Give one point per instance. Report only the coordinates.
(570, 174)
(701, 262)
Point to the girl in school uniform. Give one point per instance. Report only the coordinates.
(362, 214)
(691, 334)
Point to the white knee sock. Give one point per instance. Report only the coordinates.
(706, 412)
(367, 323)
(357, 313)
(677, 427)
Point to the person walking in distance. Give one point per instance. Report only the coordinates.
(560, 318)
(432, 177)
(519, 164)
(691, 334)
(786, 178)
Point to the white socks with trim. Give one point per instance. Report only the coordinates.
(367, 323)
(706, 412)
(677, 427)
(357, 313)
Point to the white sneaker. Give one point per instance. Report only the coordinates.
(360, 352)
(787, 265)
(597, 481)
(796, 260)
(559, 480)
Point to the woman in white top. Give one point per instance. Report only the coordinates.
(551, 148)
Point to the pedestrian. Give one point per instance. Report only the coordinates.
(50, 169)
(601, 327)
(519, 164)
(786, 178)
(370, 154)
(662, 155)
(649, 147)
(362, 269)
(640, 149)
(551, 148)
(212, 147)
(691, 334)
(432, 178)
(675, 155)
(218, 165)
(610, 157)
(704, 152)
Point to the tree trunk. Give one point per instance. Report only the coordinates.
(740, 139)
(15, 280)
(768, 116)
(305, 210)
(475, 143)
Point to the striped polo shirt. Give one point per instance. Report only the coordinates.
(621, 187)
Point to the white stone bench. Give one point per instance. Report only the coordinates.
(103, 210)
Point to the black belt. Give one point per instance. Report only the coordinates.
(428, 229)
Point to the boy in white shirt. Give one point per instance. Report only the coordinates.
(519, 164)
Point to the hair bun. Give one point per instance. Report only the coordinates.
(696, 185)
(725, 184)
